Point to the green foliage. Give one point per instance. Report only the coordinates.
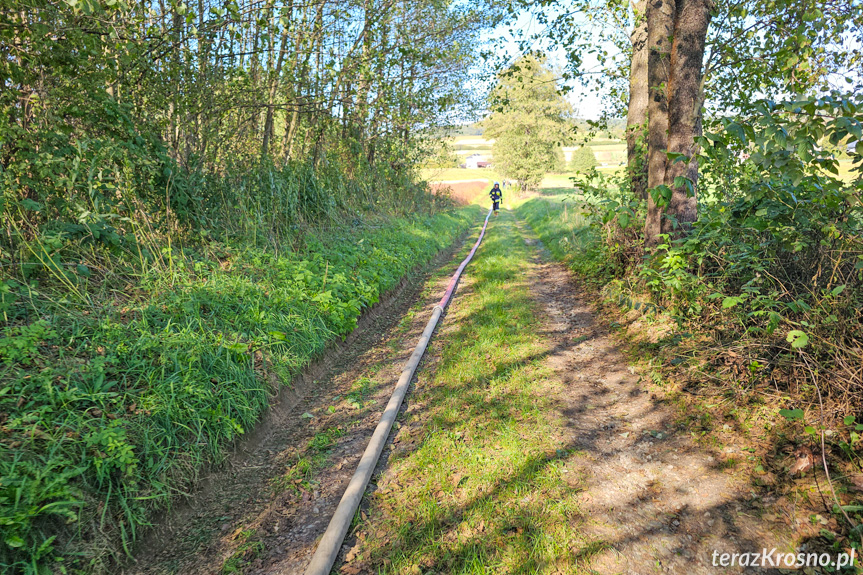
(775, 259)
(20, 343)
(529, 124)
(778, 229)
(169, 250)
(583, 160)
(109, 409)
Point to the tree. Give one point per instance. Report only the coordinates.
(675, 55)
(676, 93)
(530, 122)
(583, 159)
(636, 113)
(660, 25)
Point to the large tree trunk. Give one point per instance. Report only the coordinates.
(684, 116)
(660, 23)
(636, 116)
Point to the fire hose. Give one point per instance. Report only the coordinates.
(331, 542)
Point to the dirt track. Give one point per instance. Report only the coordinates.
(655, 500)
(650, 498)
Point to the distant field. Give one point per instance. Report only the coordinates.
(609, 152)
(462, 192)
(472, 147)
(472, 141)
(467, 145)
(557, 180)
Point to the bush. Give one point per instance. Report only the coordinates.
(775, 261)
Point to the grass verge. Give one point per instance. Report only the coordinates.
(566, 232)
(110, 408)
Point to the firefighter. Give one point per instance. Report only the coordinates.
(496, 196)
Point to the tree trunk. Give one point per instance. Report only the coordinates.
(660, 23)
(684, 114)
(275, 78)
(636, 116)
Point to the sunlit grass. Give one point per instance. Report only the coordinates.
(485, 491)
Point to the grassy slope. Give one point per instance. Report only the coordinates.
(107, 410)
(564, 231)
(484, 492)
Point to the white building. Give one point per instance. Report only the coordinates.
(474, 159)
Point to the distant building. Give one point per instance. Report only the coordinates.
(476, 161)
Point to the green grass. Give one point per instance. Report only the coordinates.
(306, 463)
(109, 410)
(468, 140)
(486, 490)
(565, 232)
(248, 550)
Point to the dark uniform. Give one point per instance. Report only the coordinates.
(496, 196)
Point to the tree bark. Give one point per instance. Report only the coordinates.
(636, 116)
(660, 24)
(686, 97)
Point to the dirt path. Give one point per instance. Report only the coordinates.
(617, 486)
(654, 499)
(528, 445)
